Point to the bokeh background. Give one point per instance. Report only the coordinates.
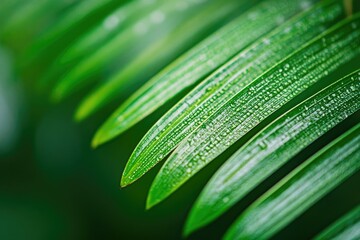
(54, 186)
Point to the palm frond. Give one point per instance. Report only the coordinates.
(194, 65)
(161, 52)
(300, 189)
(287, 69)
(220, 87)
(101, 34)
(252, 104)
(274, 146)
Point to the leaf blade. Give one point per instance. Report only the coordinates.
(257, 101)
(161, 53)
(222, 85)
(300, 189)
(273, 146)
(192, 67)
(128, 42)
(116, 22)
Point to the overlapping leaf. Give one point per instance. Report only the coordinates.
(134, 40)
(128, 42)
(16, 15)
(13, 20)
(300, 189)
(198, 63)
(117, 22)
(224, 84)
(257, 101)
(71, 18)
(162, 52)
(274, 146)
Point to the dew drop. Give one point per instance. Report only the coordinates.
(267, 41)
(111, 22)
(157, 16)
(263, 145)
(140, 28)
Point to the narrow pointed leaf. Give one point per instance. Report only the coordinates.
(163, 52)
(16, 15)
(225, 83)
(114, 23)
(300, 189)
(257, 101)
(70, 19)
(192, 66)
(129, 42)
(75, 21)
(274, 146)
(117, 22)
(347, 227)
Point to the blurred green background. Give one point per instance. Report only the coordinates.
(54, 186)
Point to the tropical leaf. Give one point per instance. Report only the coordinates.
(254, 103)
(274, 146)
(50, 42)
(300, 189)
(129, 39)
(244, 63)
(101, 34)
(163, 51)
(194, 65)
(347, 227)
(15, 20)
(221, 86)
(72, 18)
(15, 16)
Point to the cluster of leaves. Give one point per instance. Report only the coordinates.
(245, 62)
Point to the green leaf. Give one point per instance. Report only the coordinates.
(114, 24)
(257, 101)
(225, 83)
(16, 15)
(15, 19)
(68, 21)
(128, 43)
(193, 66)
(300, 189)
(162, 52)
(347, 227)
(60, 34)
(273, 147)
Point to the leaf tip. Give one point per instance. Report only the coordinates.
(124, 182)
(148, 205)
(192, 224)
(150, 201)
(80, 114)
(99, 138)
(95, 143)
(188, 229)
